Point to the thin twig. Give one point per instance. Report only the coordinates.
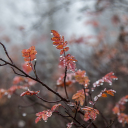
(16, 72)
(65, 75)
(90, 124)
(48, 101)
(6, 52)
(35, 71)
(105, 120)
(65, 82)
(76, 109)
(3, 64)
(75, 120)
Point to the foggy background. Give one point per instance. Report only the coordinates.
(97, 33)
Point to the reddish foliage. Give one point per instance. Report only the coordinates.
(55, 33)
(122, 118)
(68, 61)
(55, 107)
(107, 78)
(67, 84)
(90, 113)
(65, 60)
(79, 97)
(30, 93)
(29, 54)
(59, 42)
(27, 67)
(81, 78)
(104, 93)
(17, 79)
(12, 89)
(43, 115)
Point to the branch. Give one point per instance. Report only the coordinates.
(17, 73)
(6, 53)
(35, 70)
(48, 101)
(75, 120)
(77, 109)
(3, 64)
(65, 82)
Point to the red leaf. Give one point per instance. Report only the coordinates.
(66, 49)
(56, 43)
(29, 54)
(30, 93)
(79, 97)
(38, 119)
(17, 79)
(107, 78)
(26, 67)
(104, 95)
(90, 113)
(44, 115)
(61, 52)
(65, 43)
(60, 46)
(55, 107)
(55, 33)
(56, 39)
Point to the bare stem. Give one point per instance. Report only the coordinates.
(65, 82)
(6, 52)
(75, 120)
(48, 101)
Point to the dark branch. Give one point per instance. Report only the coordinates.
(17, 73)
(65, 82)
(48, 101)
(6, 53)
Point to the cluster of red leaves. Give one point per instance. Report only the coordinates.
(90, 113)
(104, 93)
(17, 81)
(107, 78)
(81, 78)
(45, 114)
(119, 108)
(59, 42)
(30, 93)
(68, 61)
(65, 60)
(79, 97)
(11, 90)
(29, 54)
(22, 80)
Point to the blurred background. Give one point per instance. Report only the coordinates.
(97, 33)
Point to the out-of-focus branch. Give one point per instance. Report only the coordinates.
(48, 101)
(26, 75)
